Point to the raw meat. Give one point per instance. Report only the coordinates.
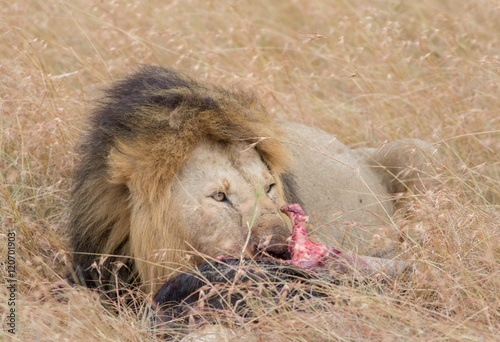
(303, 252)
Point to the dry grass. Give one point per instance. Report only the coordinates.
(367, 71)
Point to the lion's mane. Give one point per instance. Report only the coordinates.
(140, 133)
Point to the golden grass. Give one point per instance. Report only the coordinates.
(366, 71)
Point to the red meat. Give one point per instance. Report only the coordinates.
(303, 252)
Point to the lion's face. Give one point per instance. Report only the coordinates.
(229, 202)
(151, 186)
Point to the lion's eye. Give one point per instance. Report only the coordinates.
(219, 197)
(270, 188)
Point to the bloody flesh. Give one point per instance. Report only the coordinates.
(303, 252)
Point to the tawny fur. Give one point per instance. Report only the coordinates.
(160, 143)
(349, 194)
(141, 133)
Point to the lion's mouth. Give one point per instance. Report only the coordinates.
(277, 251)
(269, 247)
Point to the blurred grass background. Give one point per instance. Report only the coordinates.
(366, 71)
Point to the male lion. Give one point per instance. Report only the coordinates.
(170, 165)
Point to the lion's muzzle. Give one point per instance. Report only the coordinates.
(270, 243)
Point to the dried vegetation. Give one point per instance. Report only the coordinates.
(366, 71)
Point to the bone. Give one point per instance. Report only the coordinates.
(320, 257)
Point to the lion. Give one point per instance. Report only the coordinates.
(174, 171)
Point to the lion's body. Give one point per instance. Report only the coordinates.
(170, 165)
(349, 193)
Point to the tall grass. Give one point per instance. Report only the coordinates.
(366, 71)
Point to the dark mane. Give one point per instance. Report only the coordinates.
(153, 118)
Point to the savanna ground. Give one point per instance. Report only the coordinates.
(366, 71)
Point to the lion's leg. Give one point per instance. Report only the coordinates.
(405, 166)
